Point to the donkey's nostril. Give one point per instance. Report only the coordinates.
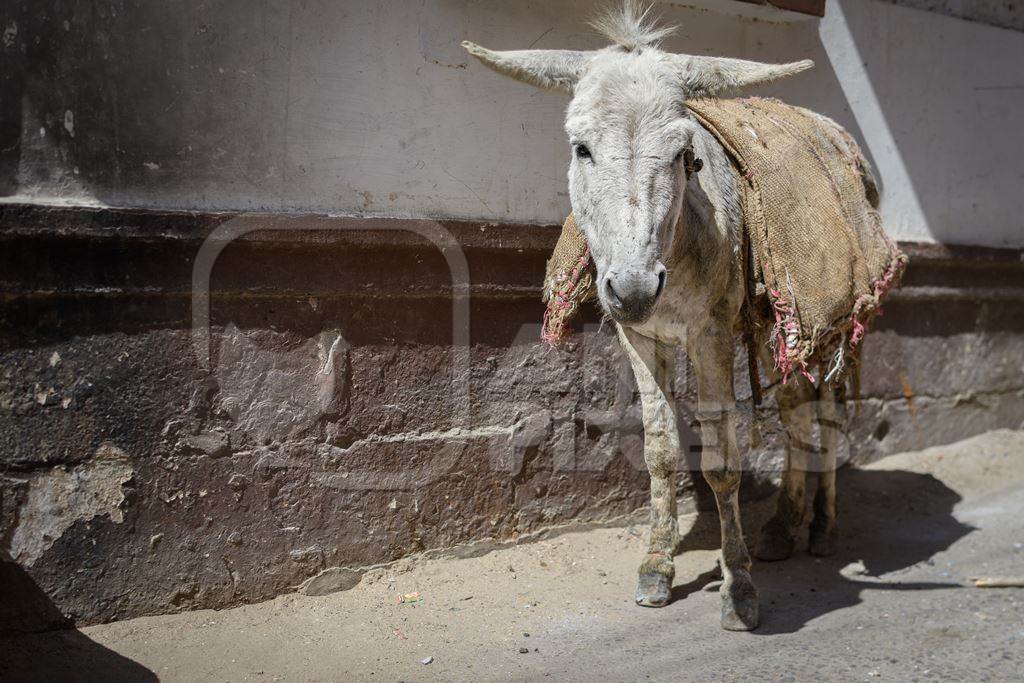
(661, 283)
(613, 296)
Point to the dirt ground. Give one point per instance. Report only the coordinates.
(893, 604)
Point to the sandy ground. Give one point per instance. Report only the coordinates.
(893, 604)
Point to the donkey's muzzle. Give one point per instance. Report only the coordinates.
(630, 295)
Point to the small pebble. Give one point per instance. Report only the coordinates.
(524, 650)
(856, 568)
(426, 660)
(526, 635)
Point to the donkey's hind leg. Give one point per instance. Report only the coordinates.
(831, 419)
(796, 409)
(653, 365)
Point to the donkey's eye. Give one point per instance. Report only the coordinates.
(583, 152)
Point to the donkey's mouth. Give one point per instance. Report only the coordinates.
(629, 316)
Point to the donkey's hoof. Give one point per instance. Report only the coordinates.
(776, 543)
(653, 589)
(822, 543)
(740, 610)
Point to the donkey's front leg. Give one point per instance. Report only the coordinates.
(653, 365)
(711, 353)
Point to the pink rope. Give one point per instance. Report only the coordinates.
(858, 332)
(785, 327)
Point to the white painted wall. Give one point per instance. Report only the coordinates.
(937, 102)
(372, 108)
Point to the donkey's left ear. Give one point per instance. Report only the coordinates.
(553, 69)
(705, 76)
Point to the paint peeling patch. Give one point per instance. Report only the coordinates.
(10, 34)
(63, 496)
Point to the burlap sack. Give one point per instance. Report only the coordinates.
(817, 242)
(568, 282)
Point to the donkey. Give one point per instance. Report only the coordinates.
(667, 248)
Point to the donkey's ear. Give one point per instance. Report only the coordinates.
(554, 69)
(705, 76)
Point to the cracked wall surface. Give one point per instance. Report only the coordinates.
(329, 430)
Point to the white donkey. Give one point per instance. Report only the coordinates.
(669, 272)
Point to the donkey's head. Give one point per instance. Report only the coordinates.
(630, 131)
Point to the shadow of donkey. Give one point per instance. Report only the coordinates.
(889, 520)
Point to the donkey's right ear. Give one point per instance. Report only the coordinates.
(553, 69)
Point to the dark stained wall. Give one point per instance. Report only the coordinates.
(151, 462)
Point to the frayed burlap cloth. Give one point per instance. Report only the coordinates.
(568, 282)
(815, 240)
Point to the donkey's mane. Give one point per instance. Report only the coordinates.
(629, 25)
